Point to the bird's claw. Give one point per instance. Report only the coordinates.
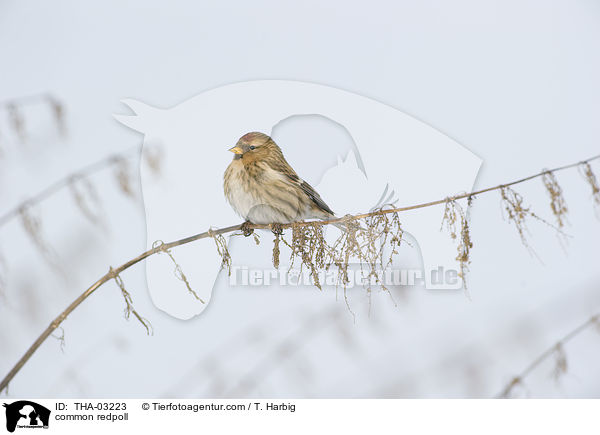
(277, 229)
(246, 230)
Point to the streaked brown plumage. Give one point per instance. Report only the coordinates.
(263, 188)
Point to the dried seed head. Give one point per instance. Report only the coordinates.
(560, 361)
(32, 225)
(181, 276)
(17, 122)
(58, 112)
(123, 175)
(450, 217)
(454, 215)
(153, 156)
(558, 204)
(87, 199)
(60, 338)
(515, 382)
(276, 250)
(362, 240)
(129, 309)
(588, 174)
(221, 244)
(309, 246)
(516, 212)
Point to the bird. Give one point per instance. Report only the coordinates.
(262, 187)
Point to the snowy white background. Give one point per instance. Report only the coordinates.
(514, 82)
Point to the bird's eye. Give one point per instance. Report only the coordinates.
(252, 147)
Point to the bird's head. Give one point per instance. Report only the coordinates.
(251, 144)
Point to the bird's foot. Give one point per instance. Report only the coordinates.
(277, 229)
(246, 230)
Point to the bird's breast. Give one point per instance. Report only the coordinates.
(239, 188)
(261, 195)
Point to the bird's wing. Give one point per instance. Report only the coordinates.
(283, 167)
(315, 197)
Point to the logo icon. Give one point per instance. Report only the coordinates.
(26, 414)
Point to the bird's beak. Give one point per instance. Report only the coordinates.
(236, 150)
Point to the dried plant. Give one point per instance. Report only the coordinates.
(362, 241)
(123, 176)
(178, 271)
(588, 174)
(129, 309)
(87, 199)
(515, 382)
(516, 212)
(32, 225)
(560, 361)
(309, 246)
(66, 181)
(454, 215)
(221, 244)
(153, 156)
(16, 118)
(276, 250)
(17, 121)
(381, 231)
(58, 111)
(558, 205)
(557, 351)
(61, 338)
